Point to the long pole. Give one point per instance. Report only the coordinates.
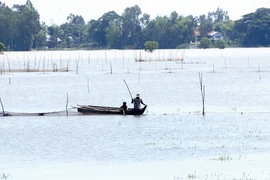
(67, 105)
(2, 107)
(202, 92)
(128, 90)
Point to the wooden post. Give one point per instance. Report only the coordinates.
(182, 62)
(44, 65)
(140, 71)
(3, 111)
(202, 92)
(19, 62)
(67, 105)
(88, 85)
(203, 97)
(111, 66)
(77, 66)
(9, 69)
(35, 62)
(61, 61)
(38, 63)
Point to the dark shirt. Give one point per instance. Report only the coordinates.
(137, 102)
(124, 107)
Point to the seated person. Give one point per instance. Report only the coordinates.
(124, 108)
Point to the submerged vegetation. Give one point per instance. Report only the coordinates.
(4, 176)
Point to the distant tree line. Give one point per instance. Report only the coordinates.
(21, 29)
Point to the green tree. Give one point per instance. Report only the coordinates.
(28, 25)
(145, 19)
(205, 24)
(2, 47)
(56, 35)
(76, 26)
(98, 29)
(113, 36)
(205, 43)
(41, 37)
(219, 15)
(73, 33)
(8, 27)
(183, 46)
(156, 30)
(254, 28)
(220, 43)
(150, 46)
(131, 29)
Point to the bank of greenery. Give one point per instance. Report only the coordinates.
(2, 47)
(130, 30)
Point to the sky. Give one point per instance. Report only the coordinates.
(56, 11)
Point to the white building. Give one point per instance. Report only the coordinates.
(215, 35)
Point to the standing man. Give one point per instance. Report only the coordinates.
(137, 103)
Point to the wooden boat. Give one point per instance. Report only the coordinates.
(88, 109)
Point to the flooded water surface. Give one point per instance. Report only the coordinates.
(172, 140)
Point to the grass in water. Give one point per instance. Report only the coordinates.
(4, 176)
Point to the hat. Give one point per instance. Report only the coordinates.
(138, 95)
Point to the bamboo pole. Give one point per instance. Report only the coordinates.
(140, 71)
(88, 85)
(39, 63)
(3, 110)
(203, 100)
(202, 93)
(182, 64)
(128, 89)
(77, 66)
(67, 65)
(35, 62)
(19, 62)
(111, 67)
(9, 69)
(67, 105)
(61, 61)
(43, 65)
